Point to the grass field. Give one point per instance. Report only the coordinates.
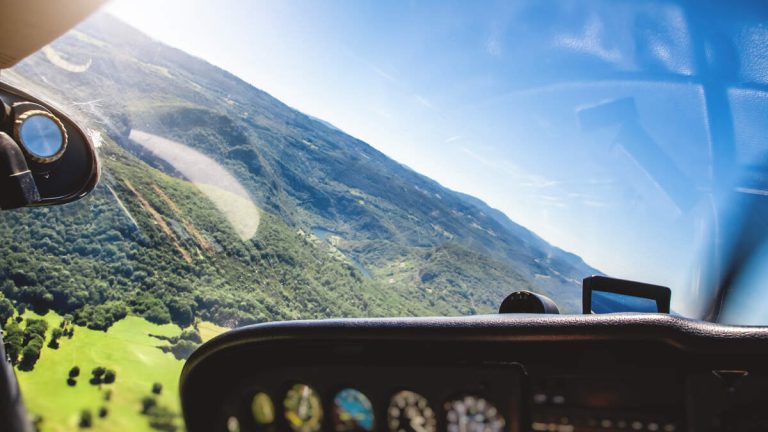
(209, 330)
(125, 348)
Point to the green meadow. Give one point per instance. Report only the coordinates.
(129, 350)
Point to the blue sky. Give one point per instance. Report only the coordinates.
(489, 98)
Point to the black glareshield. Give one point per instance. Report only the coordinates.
(601, 294)
(46, 158)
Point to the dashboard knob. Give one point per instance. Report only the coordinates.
(528, 302)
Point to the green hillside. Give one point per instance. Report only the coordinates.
(140, 253)
(125, 348)
(220, 206)
(339, 229)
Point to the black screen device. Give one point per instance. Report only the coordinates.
(602, 294)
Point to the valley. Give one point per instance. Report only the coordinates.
(220, 206)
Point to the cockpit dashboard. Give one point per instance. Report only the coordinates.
(615, 372)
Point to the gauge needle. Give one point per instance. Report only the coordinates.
(303, 403)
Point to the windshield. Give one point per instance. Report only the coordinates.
(281, 160)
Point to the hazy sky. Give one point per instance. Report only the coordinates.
(489, 98)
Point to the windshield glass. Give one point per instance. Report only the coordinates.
(281, 160)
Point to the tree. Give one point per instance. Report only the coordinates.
(36, 340)
(30, 354)
(6, 310)
(191, 335)
(157, 388)
(71, 382)
(14, 341)
(147, 402)
(109, 376)
(55, 335)
(181, 311)
(86, 419)
(162, 419)
(100, 316)
(96, 375)
(74, 372)
(158, 315)
(103, 412)
(183, 349)
(35, 327)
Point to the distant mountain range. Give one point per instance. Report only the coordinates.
(400, 231)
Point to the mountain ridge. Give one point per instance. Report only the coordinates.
(400, 227)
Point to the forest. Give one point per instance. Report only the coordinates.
(343, 230)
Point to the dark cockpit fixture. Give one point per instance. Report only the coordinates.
(528, 302)
(46, 158)
(601, 294)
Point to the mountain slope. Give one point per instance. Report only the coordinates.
(425, 246)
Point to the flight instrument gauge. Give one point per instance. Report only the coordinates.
(303, 410)
(263, 410)
(410, 412)
(473, 414)
(41, 134)
(352, 412)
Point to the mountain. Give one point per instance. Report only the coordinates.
(396, 241)
(565, 263)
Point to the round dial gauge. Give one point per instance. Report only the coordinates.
(410, 412)
(352, 412)
(262, 409)
(303, 410)
(233, 425)
(473, 414)
(42, 135)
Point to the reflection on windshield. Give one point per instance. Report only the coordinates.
(741, 271)
(609, 302)
(223, 189)
(602, 137)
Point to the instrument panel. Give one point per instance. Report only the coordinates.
(358, 399)
(625, 372)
